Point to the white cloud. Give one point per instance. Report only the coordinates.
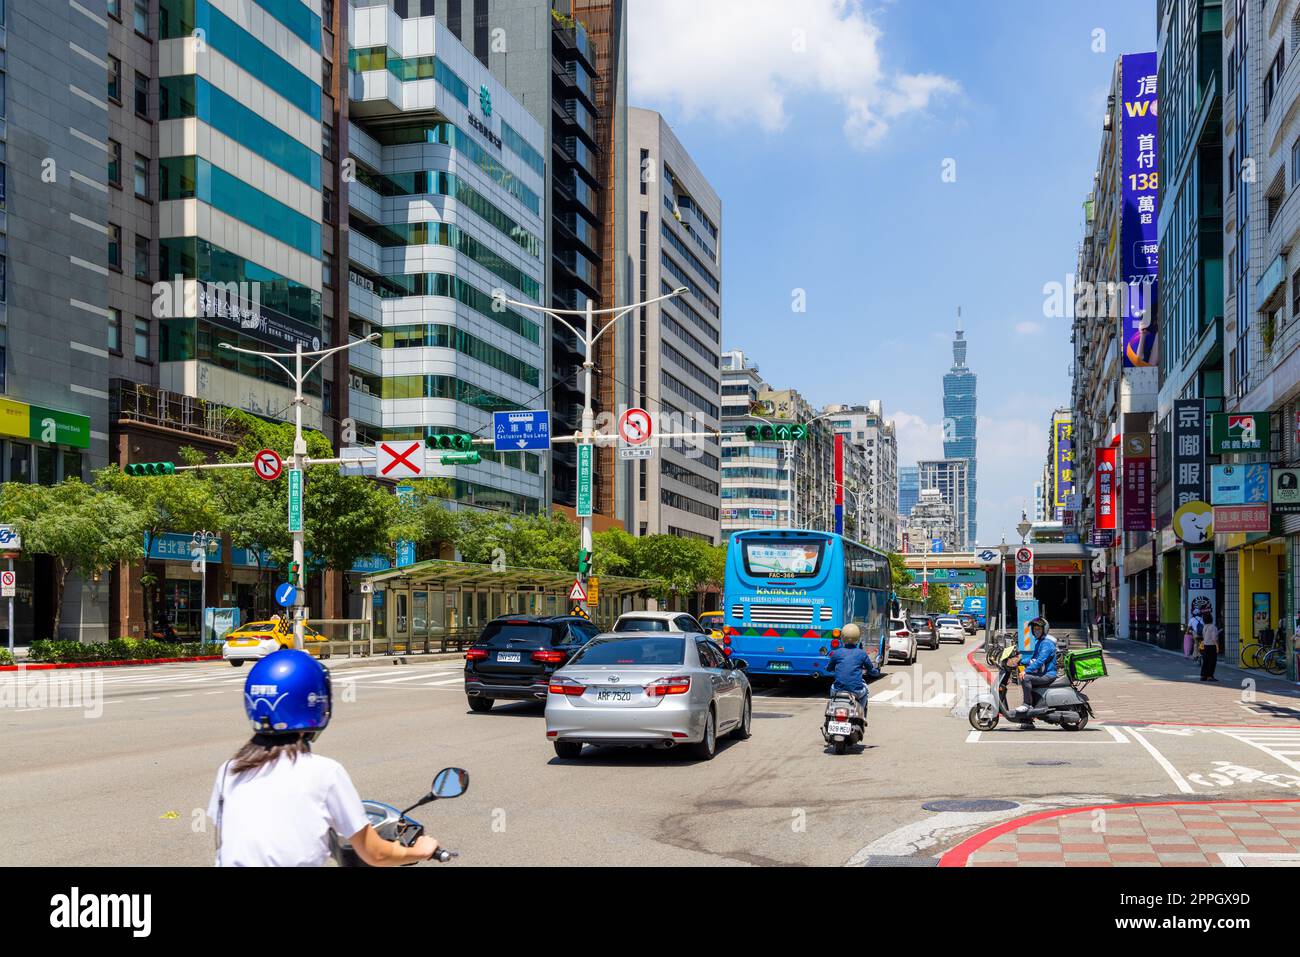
(740, 61)
(1029, 328)
(917, 438)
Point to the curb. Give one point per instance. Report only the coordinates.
(1222, 664)
(959, 856)
(55, 666)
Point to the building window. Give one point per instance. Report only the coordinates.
(142, 257)
(328, 269)
(327, 205)
(327, 77)
(327, 141)
(71, 465)
(327, 13)
(4, 279)
(140, 16)
(1295, 293)
(2, 185)
(115, 246)
(4, 356)
(141, 95)
(115, 162)
(141, 176)
(115, 79)
(20, 462)
(115, 10)
(645, 170)
(115, 331)
(142, 339)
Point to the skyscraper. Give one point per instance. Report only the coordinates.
(959, 419)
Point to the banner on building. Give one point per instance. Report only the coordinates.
(1240, 518)
(1239, 484)
(1189, 455)
(1139, 189)
(1105, 472)
(1200, 582)
(1137, 483)
(1286, 491)
(1063, 460)
(1240, 432)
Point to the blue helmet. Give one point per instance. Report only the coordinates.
(287, 692)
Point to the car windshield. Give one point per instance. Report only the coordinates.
(632, 651)
(642, 624)
(499, 634)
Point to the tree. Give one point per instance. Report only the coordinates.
(676, 565)
(181, 502)
(422, 518)
(615, 553)
(521, 541)
(83, 528)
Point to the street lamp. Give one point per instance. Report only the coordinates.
(200, 545)
(1024, 528)
(299, 443)
(587, 435)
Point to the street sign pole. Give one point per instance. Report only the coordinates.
(11, 616)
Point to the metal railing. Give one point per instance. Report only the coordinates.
(136, 402)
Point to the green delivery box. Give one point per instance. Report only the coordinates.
(1085, 664)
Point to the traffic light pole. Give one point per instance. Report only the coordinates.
(587, 436)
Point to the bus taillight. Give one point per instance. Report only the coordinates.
(835, 642)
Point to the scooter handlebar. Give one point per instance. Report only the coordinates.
(444, 856)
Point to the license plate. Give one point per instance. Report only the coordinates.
(778, 666)
(613, 694)
(839, 727)
(506, 657)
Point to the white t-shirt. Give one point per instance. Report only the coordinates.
(280, 814)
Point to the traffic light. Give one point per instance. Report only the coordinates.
(150, 468)
(459, 458)
(796, 432)
(450, 441)
(584, 561)
(294, 569)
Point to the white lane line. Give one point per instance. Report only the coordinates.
(885, 695)
(1115, 733)
(940, 700)
(973, 737)
(1163, 762)
(214, 692)
(445, 681)
(392, 681)
(182, 696)
(150, 698)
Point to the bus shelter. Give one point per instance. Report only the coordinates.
(441, 604)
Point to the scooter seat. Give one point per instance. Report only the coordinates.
(1062, 681)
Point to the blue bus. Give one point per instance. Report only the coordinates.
(976, 605)
(789, 591)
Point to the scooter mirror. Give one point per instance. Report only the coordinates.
(450, 782)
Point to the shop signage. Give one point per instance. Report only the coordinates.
(1286, 491)
(1139, 189)
(1239, 432)
(1239, 485)
(1063, 458)
(1137, 482)
(1188, 458)
(23, 421)
(246, 315)
(483, 128)
(1194, 523)
(1230, 519)
(1101, 538)
(1105, 472)
(1200, 582)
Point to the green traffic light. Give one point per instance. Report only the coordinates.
(459, 458)
(150, 468)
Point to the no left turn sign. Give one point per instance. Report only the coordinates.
(268, 465)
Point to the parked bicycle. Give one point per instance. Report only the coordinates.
(1268, 655)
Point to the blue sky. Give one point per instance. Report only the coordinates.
(825, 126)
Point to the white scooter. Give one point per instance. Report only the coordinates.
(393, 825)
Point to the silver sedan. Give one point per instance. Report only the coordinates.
(658, 690)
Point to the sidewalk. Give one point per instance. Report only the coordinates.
(1168, 834)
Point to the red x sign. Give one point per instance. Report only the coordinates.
(399, 459)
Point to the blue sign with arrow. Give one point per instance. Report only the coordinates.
(522, 431)
(286, 595)
(1025, 583)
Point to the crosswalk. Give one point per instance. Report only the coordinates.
(1280, 743)
(151, 683)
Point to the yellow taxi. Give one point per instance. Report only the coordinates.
(712, 620)
(257, 639)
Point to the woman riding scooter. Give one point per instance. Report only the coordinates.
(1040, 669)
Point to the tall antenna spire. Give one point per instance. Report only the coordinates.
(959, 318)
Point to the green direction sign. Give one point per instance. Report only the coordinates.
(1239, 432)
(584, 480)
(295, 500)
(950, 575)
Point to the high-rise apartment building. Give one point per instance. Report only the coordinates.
(865, 427)
(755, 476)
(909, 490)
(931, 521)
(674, 239)
(959, 419)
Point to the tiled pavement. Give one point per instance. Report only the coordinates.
(1146, 685)
(1193, 834)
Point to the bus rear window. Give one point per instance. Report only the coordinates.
(783, 559)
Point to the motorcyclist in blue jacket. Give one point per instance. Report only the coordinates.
(1040, 669)
(847, 664)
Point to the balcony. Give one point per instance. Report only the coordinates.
(138, 404)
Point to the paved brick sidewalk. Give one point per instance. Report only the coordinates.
(1191, 834)
(1147, 685)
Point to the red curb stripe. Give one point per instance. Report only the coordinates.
(982, 669)
(959, 856)
(51, 666)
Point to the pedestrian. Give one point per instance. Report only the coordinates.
(1189, 641)
(1209, 647)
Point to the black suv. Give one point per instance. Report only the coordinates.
(516, 655)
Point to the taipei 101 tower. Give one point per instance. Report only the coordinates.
(959, 419)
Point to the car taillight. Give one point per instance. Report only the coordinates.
(679, 684)
(566, 688)
(835, 642)
(549, 657)
(475, 654)
(841, 714)
(904, 634)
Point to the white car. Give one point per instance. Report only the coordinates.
(902, 641)
(950, 629)
(674, 622)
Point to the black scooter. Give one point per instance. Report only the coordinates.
(1062, 702)
(393, 825)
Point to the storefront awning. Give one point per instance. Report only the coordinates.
(453, 574)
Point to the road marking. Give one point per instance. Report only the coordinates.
(885, 695)
(182, 696)
(973, 737)
(1257, 740)
(446, 681)
(1163, 762)
(1115, 733)
(392, 681)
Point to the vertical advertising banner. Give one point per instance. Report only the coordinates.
(1063, 461)
(1193, 519)
(1105, 491)
(1200, 582)
(1137, 483)
(1139, 190)
(839, 488)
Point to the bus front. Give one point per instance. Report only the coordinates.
(784, 600)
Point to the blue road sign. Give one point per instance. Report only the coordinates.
(936, 545)
(285, 595)
(526, 430)
(1025, 583)
(987, 555)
